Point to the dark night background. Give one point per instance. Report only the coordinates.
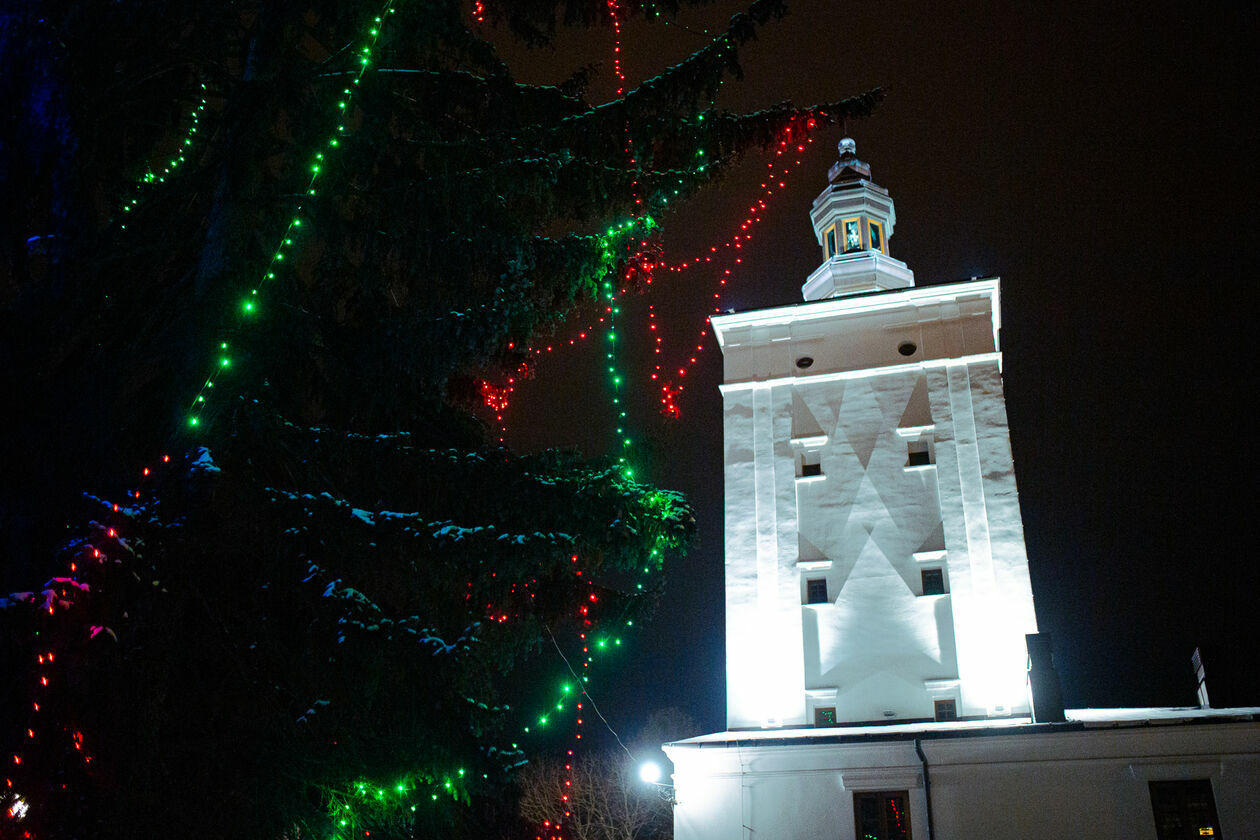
(1099, 159)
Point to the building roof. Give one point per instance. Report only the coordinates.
(1077, 720)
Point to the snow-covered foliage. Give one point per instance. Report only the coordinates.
(350, 610)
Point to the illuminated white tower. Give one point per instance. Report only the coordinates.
(875, 563)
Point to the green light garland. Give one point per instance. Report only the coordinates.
(250, 305)
(182, 150)
(367, 803)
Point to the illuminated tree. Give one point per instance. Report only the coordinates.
(282, 243)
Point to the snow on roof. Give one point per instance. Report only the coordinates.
(1103, 717)
(1076, 718)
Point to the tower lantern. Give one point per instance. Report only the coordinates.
(853, 220)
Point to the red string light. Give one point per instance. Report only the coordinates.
(497, 398)
(62, 594)
(647, 258)
(671, 389)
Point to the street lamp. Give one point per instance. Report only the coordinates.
(650, 773)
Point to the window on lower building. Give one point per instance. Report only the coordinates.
(825, 716)
(933, 581)
(1183, 809)
(816, 591)
(946, 709)
(882, 816)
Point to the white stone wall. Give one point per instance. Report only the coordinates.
(785, 794)
(1090, 784)
(987, 565)
(764, 659)
(870, 523)
(880, 638)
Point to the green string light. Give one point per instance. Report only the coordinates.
(368, 802)
(249, 306)
(150, 178)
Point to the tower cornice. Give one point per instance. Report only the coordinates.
(881, 299)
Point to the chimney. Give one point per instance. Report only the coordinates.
(1046, 698)
(1200, 679)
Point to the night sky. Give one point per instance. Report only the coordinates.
(1099, 160)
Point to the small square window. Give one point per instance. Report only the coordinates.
(918, 454)
(816, 591)
(808, 469)
(946, 709)
(825, 716)
(933, 581)
(1184, 808)
(882, 816)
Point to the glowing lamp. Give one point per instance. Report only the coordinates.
(650, 772)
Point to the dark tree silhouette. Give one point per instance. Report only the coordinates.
(282, 243)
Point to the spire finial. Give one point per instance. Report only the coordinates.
(848, 147)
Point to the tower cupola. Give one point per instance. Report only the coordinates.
(853, 219)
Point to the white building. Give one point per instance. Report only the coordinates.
(877, 589)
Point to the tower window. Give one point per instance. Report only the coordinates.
(883, 815)
(918, 454)
(933, 581)
(852, 235)
(810, 469)
(825, 716)
(877, 235)
(831, 242)
(946, 709)
(816, 592)
(1184, 808)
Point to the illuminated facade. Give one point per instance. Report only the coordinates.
(875, 564)
(878, 598)
(1123, 774)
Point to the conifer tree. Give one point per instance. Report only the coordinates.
(267, 250)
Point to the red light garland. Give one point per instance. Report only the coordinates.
(61, 594)
(671, 390)
(646, 259)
